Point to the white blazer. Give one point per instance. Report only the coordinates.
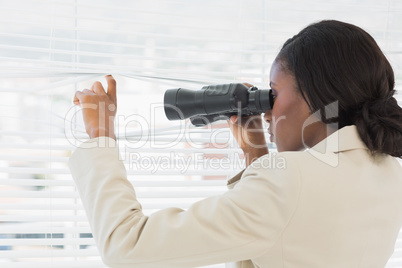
(330, 206)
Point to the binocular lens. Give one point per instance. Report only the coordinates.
(215, 102)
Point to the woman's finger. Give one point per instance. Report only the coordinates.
(248, 85)
(80, 94)
(111, 87)
(77, 96)
(98, 88)
(233, 119)
(88, 92)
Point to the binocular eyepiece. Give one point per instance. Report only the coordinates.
(216, 102)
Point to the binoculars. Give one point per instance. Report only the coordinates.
(216, 102)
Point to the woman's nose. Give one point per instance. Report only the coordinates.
(268, 116)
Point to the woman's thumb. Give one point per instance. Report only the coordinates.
(233, 119)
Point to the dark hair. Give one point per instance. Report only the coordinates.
(336, 61)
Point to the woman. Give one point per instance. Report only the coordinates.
(336, 204)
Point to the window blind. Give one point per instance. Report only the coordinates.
(50, 49)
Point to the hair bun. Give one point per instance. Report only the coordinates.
(379, 125)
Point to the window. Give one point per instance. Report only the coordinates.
(50, 49)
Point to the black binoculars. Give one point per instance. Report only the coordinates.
(216, 102)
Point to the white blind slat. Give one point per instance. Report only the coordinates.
(46, 242)
(72, 195)
(137, 183)
(29, 229)
(46, 253)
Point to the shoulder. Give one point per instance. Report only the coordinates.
(284, 166)
(285, 172)
(272, 179)
(268, 192)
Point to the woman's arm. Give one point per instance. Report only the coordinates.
(241, 224)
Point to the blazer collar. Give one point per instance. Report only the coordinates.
(344, 139)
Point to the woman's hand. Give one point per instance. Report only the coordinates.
(249, 134)
(98, 108)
